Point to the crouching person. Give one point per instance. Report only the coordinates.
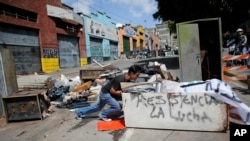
(108, 94)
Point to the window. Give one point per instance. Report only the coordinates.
(66, 26)
(17, 13)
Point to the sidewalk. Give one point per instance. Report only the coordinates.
(37, 80)
(121, 64)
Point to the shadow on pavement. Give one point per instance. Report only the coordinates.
(117, 134)
(83, 122)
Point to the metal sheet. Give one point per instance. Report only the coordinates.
(68, 51)
(210, 40)
(7, 71)
(24, 45)
(113, 50)
(90, 73)
(18, 36)
(96, 49)
(180, 111)
(189, 48)
(24, 105)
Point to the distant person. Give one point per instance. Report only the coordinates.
(242, 43)
(230, 42)
(108, 94)
(123, 56)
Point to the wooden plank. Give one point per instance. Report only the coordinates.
(180, 111)
(126, 85)
(31, 81)
(90, 73)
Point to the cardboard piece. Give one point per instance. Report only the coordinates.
(111, 125)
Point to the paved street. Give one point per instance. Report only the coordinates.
(63, 126)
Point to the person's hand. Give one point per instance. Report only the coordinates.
(120, 92)
(158, 80)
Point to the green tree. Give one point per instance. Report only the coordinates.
(233, 13)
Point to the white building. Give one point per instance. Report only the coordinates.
(166, 39)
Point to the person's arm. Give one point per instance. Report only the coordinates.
(245, 40)
(113, 91)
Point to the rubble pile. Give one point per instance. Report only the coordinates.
(73, 92)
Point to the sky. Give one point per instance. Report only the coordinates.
(134, 12)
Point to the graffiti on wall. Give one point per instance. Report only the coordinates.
(68, 51)
(27, 59)
(185, 111)
(97, 53)
(106, 48)
(50, 53)
(176, 107)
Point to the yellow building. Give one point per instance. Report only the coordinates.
(141, 42)
(127, 39)
(131, 39)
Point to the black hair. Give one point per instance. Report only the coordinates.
(134, 69)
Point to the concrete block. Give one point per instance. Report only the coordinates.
(178, 111)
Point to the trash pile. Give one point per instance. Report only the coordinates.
(72, 93)
(68, 92)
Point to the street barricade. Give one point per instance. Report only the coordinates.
(179, 111)
(176, 105)
(235, 68)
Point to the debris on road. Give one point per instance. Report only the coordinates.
(78, 91)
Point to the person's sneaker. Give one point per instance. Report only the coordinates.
(80, 117)
(103, 118)
(121, 116)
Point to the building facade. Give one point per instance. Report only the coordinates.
(101, 37)
(43, 36)
(153, 41)
(168, 40)
(141, 38)
(164, 34)
(131, 40)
